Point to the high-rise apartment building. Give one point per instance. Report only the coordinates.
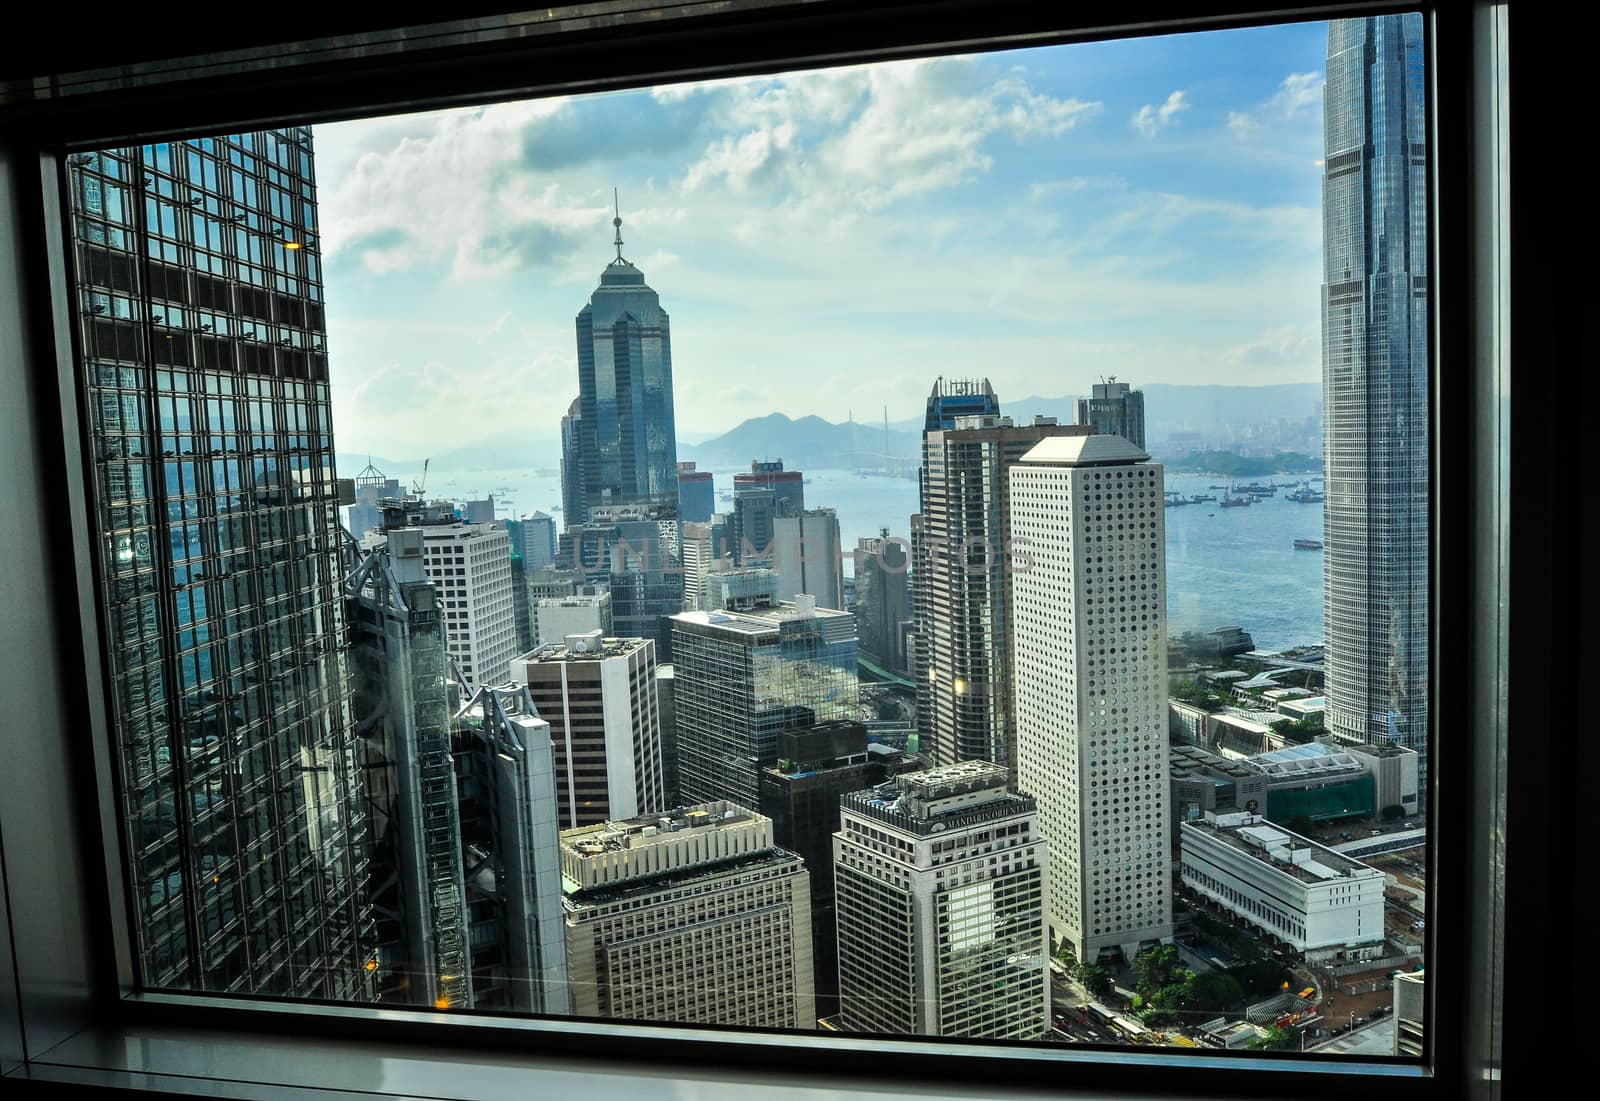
(965, 583)
(573, 510)
(883, 600)
(626, 430)
(816, 765)
(694, 917)
(939, 878)
(741, 678)
(807, 557)
(1090, 665)
(599, 696)
(1114, 409)
(697, 494)
(215, 520)
(1375, 382)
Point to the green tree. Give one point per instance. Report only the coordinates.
(1277, 1039)
(1095, 979)
(1215, 990)
(1153, 968)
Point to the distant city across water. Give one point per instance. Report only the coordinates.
(1224, 566)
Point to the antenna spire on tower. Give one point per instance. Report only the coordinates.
(616, 221)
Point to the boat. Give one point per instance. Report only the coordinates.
(1198, 497)
(1307, 544)
(1237, 502)
(1216, 487)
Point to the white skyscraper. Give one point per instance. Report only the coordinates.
(471, 566)
(808, 558)
(1091, 673)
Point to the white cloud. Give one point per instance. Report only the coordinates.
(1284, 346)
(1150, 120)
(1241, 123)
(1297, 92)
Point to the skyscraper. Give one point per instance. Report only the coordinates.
(939, 884)
(599, 696)
(697, 498)
(695, 917)
(1090, 665)
(788, 486)
(807, 557)
(215, 522)
(1114, 409)
(883, 600)
(741, 678)
(1375, 382)
(626, 429)
(572, 499)
(633, 551)
(537, 544)
(966, 580)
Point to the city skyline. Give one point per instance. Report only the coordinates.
(1159, 230)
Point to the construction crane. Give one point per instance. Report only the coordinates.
(416, 487)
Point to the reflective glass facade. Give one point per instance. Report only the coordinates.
(626, 431)
(742, 679)
(1375, 381)
(216, 522)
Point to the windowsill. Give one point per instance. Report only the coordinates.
(272, 1063)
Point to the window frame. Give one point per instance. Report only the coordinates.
(59, 805)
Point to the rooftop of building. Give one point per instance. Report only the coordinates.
(1309, 759)
(941, 798)
(1084, 450)
(1188, 759)
(588, 646)
(760, 621)
(1286, 853)
(649, 829)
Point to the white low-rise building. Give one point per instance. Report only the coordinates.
(1315, 900)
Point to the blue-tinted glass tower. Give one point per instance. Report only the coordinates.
(626, 430)
(1375, 381)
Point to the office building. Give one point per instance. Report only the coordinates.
(471, 565)
(752, 526)
(1310, 898)
(371, 486)
(572, 488)
(626, 431)
(1114, 409)
(738, 590)
(599, 696)
(1091, 686)
(883, 600)
(1410, 1014)
(787, 486)
(966, 581)
(217, 553)
(1375, 407)
(560, 616)
(633, 552)
(665, 684)
(695, 917)
(807, 557)
(940, 885)
(477, 512)
(816, 765)
(699, 560)
(399, 665)
(697, 494)
(505, 779)
(742, 678)
(537, 544)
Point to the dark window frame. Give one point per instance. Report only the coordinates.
(58, 805)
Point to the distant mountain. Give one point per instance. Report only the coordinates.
(501, 451)
(808, 443)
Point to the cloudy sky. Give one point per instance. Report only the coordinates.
(828, 242)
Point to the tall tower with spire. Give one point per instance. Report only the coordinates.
(628, 439)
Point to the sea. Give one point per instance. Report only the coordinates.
(1225, 567)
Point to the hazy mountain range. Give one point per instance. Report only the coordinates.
(814, 443)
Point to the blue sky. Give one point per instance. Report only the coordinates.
(829, 242)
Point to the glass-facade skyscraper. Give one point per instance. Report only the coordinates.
(626, 431)
(215, 515)
(1375, 381)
